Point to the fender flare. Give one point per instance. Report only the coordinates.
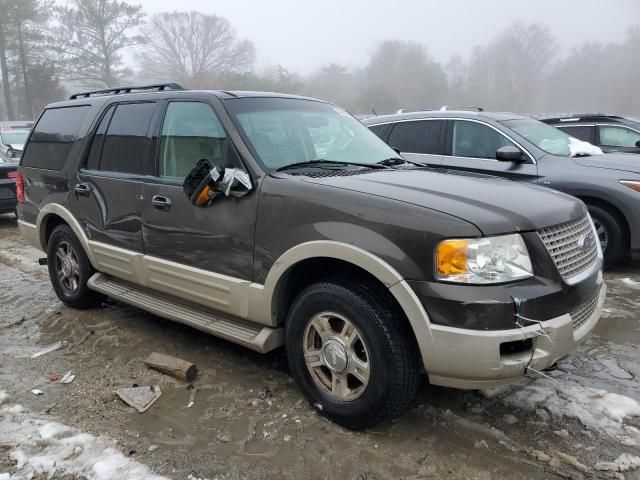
(385, 273)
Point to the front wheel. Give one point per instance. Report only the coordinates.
(610, 234)
(70, 269)
(351, 354)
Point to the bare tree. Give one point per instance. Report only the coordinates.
(193, 48)
(90, 36)
(509, 72)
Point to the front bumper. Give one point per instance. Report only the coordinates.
(472, 359)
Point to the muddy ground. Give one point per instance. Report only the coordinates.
(248, 419)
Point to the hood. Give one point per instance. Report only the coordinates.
(627, 162)
(493, 205)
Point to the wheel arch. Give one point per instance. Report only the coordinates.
(279, 287)
(54, 214)
(615, 211)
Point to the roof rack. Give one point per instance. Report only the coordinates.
(114, 91)
(446, 108)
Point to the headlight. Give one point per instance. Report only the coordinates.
(483, 260)
(631, 184)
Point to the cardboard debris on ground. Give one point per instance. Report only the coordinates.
(140, 398)
(176, 367)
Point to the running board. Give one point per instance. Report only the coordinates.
(259, 338)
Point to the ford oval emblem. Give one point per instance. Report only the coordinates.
(585, 242)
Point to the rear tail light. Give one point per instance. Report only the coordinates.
(12, 174)
(20, 187)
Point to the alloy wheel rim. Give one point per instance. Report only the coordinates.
(67, 267)
(603, 235)
(336, 356)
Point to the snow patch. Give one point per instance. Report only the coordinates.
(630, 283)
(579, 147)
(597, 409)
(40, 447)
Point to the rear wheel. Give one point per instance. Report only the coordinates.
(351, 354)
(610, 234)
(70, 269)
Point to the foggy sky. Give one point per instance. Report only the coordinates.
(303, 35)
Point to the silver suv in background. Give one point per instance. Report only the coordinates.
(13, 136)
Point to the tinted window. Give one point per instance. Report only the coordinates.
(190, 132)
(93, 160)
(53, 137)
(379, 130)
(417, 136)
(618, 136)
(126, 138)
(473, 139)
(582, 132)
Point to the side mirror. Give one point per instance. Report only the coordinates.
(204, 183)
(510, 154)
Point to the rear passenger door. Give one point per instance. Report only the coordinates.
(107, 195)
(472, 146)
(419, 141)
(179, 236)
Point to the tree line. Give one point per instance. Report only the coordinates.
(48, 49)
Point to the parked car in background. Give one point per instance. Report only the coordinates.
(13, 136)
(8, 174)
(367, 269)
(610, 132)
(521, 148)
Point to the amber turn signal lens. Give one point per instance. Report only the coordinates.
(451, 257)
(631, 184)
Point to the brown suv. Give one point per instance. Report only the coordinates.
(311, 234)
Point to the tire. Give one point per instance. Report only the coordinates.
(63, 244)
(610, 232)
(382, 343)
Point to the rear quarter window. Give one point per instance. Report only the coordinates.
(53, 136)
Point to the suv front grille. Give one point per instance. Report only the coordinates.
(572, 246)
(583, 312)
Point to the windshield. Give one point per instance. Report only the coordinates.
(543, 136)
(284, 131)
(16, 137)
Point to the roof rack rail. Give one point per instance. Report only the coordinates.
(114, 91)
(446, 108)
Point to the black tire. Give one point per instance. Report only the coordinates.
(80, 297)
(391, 351)
(615, 242)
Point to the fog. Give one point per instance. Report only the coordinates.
(541, 58)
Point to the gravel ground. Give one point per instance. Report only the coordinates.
(248, 419)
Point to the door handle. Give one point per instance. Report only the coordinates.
(161, 203)
(82, 189)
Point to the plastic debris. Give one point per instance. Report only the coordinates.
(68, 377)
(37, 392)
(49, 349)
(140, 398)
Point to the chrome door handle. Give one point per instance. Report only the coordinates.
(82, 189)
(161, 203)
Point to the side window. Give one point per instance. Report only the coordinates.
(380, 130)
(422, 136)
(618, 136)
(93, 160)
(190, 132)
(126, 139)
(53, 137)
(473, 139)
(581, 132)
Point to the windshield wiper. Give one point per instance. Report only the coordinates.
(322, 161)
(392, 161)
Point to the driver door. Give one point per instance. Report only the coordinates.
(472, 146)
(179, 236)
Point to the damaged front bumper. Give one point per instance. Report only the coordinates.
(475, 359)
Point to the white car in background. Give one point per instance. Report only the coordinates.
(13, 136)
